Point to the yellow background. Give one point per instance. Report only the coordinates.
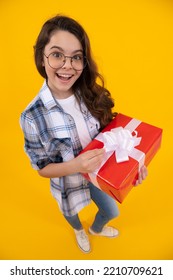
(132, 43)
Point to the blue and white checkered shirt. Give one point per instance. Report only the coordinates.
(51, 137)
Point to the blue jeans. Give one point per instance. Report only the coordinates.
(107, 210)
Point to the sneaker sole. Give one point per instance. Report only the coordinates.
(95, 234)
(86, 252)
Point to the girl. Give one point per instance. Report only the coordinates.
(68, 112)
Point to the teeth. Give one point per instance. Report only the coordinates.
(64, 75)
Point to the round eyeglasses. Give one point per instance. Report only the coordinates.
(57, 60)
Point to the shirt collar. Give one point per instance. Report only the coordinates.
(46, 96)
(48, 99)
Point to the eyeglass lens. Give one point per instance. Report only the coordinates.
(57, 60)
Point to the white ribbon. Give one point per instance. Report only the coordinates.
(121, 142)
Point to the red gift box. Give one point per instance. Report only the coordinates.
(117, 175)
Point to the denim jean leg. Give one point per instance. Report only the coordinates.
(74, 221)
(107, 206)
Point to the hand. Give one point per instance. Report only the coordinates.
(141, 175)
(89, 161)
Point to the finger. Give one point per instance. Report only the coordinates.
(136, 183)
(144, 172)
(140, 178)
(141, 175)
(96, 160)
(96, 153)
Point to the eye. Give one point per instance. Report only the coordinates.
(57, 55)
(78, 57)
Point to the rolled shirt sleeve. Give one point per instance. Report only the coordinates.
(32, 144)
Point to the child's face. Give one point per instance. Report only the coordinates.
(61, 80)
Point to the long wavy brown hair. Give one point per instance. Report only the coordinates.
(91, 83)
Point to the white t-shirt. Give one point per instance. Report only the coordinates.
(71, 106)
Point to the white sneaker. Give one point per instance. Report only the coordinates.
(82, 240)
(106, 231)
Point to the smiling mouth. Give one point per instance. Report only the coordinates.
(64, 77)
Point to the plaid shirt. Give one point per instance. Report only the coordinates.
(51, 137)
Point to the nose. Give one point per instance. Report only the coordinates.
(67, 62)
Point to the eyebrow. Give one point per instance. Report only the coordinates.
(59, 48)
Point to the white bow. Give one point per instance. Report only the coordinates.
(120, 141)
